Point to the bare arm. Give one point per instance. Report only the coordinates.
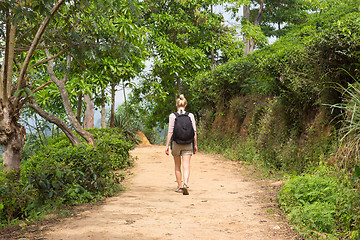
(195, 143)
(168, 142)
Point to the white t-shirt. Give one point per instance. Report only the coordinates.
(172, 121)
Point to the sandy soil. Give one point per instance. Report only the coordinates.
(223, 204)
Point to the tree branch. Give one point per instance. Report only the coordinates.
(27, 48)
(16, 64)
(40, 32)
(57, 121)
(24, 100)
(6, 70)
(48, 59)
(260, 13)
(50, 67)
(68, 66)
(42, 86)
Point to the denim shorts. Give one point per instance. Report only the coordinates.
(178, 150)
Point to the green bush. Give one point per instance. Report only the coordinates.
(15, 197)
(46, 175)
(59, 174)
(54, 172)
(114, 145)
(127, 125)
(320, 203)
(317, 216)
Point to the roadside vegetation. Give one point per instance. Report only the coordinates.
(56, 174)
(60, 60)
(292, 110)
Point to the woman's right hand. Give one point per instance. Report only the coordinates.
(167, 150)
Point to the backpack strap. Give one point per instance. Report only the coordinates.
(171, 140)
(178, 114)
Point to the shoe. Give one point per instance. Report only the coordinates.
(179, 190)
(185, 190)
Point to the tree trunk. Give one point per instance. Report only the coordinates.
(12, 150)
(12, 137)
(69, 112)
(124, 92)
(249, 43)
(79, 108)
(103, 110)
(103, 115)
(112, 113)
(11, 132)
(256, 23)
(57, 121)
(65, 97)
(7, 66)
(89, 112)
(246, 15)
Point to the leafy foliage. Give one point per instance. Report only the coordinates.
(348, 152)
(319, 203)
(107, 45)
(114, 144)
(186, 37)
(15, 197)
(272, 109)
(58, 173)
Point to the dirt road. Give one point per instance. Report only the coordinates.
(222, 205)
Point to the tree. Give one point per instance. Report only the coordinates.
(11, 84)
(111, 73)
(253, 11)
(186, 37)
(65, 97)
(280, 16)
(108, 41)
(118, 63)
(79, 30)
(267, 18)
(249, 39)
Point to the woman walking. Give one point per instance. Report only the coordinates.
(183, 140)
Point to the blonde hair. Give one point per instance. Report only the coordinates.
(181, 101)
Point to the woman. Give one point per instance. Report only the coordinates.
(181, 152)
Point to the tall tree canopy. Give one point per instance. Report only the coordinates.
(186, 37)
(43, 42)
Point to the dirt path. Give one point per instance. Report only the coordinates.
(222, 205)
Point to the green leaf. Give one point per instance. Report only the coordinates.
(58, 173)
(357, 172)
(18, 92)
(29, 91)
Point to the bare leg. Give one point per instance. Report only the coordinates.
(186, 165)
(177, 161)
